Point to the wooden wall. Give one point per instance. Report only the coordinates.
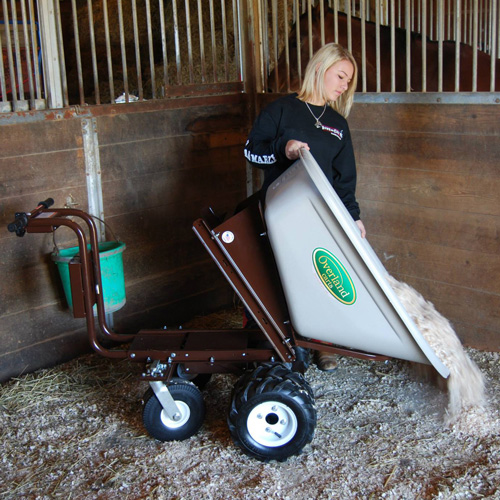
(161, 163)
(429, 189)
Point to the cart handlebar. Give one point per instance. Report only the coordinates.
(21, 218)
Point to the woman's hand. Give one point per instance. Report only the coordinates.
(361, 228)
(292, 148)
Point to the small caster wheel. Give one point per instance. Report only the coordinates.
(191, 406)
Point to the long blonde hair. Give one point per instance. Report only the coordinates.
(313, 84)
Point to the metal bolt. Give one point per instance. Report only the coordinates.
(274, 408)
(132, 355)
(259, 416)
(283, 421)
(173, 355)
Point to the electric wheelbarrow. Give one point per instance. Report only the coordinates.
(303, 273)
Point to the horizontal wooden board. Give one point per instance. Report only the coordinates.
(441, 190)
(470, 155)
(465, 120)
(464, 231)
(422, 260)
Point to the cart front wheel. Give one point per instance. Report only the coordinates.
(191, 407)
(272, 419)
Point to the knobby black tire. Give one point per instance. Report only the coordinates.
(189, 398)
(285, 394)
(274, 370)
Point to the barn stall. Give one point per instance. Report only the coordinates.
(143, 119)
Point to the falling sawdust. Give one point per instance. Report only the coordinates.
(467, 408)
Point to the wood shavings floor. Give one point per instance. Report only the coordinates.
(75, 431)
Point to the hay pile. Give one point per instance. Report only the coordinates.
(75, 431)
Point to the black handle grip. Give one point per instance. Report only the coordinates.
(47, 203)
(19, 224)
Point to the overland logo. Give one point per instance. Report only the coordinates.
(334, 276)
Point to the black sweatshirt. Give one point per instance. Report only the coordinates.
(288, 118)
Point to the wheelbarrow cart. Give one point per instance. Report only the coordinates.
(303, 274)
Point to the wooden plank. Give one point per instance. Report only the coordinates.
(460, 154)
(420, 259)
(463, 231)
(40, 137)
(461, 119)
(443, 190)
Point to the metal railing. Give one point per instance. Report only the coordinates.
(400, 45)
(57, 54)
(104, 51)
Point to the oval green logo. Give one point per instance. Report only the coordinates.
(334, 276)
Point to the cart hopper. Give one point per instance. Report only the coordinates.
(335, 285)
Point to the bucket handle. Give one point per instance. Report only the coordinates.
(106, 225)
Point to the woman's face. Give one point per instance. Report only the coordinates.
(337, 79)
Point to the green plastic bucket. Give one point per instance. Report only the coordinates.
(113, 280)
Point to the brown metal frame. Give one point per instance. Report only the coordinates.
(240, 248)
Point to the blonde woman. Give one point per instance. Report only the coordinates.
(314, 119)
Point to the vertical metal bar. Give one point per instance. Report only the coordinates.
(123, 50)
(189, 41)
(322, 22)
(264, 36)
(287, 47)
(224, 40)
(336, 20)
(5, 106)
(274, 17)
(457, 43)
(393, 47)
(440, 28)
(212, 34)
(60, 46)
(494, 48)
(138, 65)
(108, 51)
(363, 43)
(377, 42)
(22, 104)
(93, 53)
(93, 172)
(150, 49)
(309, 28)
(424, 46)
(297, 35)
(27, 49)
(475, 38)
(163, 45)
(78, 53)
(408, 46)
(10, 59)
(202, 43)
(52, 74)
(349, 27)
(236, 37)
(176, 42)
(34, 44)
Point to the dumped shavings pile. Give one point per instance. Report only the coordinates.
(75, 431)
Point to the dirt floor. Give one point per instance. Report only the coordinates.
(75, 431)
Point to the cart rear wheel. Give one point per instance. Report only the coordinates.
(191, 406)
(272, 418)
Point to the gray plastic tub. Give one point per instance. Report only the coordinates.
(335, 285)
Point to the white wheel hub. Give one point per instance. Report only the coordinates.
(272, 424)
(184, 414)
